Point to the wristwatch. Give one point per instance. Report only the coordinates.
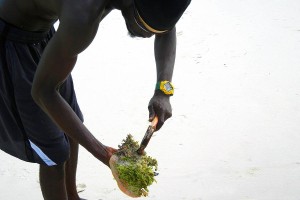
(166, 87)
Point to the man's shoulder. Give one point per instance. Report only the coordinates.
(85, 9)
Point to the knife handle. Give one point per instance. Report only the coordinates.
(154, 122)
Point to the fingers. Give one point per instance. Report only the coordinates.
(152, 114)
(159, 106)
(161, 119)
(162, 116)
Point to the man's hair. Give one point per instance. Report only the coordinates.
(161, 14)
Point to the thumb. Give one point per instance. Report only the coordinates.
(151, 113)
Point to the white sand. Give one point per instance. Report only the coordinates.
(235, 129)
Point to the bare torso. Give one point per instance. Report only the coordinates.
(31, 15)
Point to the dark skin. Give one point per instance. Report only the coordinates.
(79, 21)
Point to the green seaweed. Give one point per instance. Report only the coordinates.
(137, 171)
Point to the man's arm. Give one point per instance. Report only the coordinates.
(165, 53)
(77, 29)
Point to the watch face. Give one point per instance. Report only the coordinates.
(168, 87)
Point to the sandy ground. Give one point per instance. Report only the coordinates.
(234, 134)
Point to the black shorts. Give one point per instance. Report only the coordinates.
(26, 132)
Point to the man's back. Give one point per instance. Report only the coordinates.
(31, 15)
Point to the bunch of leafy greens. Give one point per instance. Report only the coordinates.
(137, 171)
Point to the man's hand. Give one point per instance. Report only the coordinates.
(160, 106)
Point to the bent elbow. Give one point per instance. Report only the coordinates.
(35, 93)
(40, 94)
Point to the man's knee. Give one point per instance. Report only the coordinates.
(52, 172)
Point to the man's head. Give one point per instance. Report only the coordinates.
(148, 17)
(160, 15)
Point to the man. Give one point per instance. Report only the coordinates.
(40, 120)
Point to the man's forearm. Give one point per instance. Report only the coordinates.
(63, 115)
(165, 53)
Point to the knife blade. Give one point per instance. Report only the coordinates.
(150, 130)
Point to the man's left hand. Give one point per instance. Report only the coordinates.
(160, 106)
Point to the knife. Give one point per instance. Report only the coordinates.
(150, 130)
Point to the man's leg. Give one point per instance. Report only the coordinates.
(70, 169)
(52, 181)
